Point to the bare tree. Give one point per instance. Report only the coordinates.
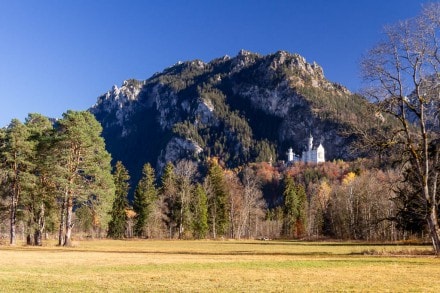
(254, 204)
(185, 172)
(236, 204)
(402, 74)
(246, 203)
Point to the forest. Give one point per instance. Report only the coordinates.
(57, 181)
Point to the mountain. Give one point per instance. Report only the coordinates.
(241, 109)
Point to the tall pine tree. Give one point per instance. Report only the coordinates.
(300, 224)
(40, 201)
(145, 197)
(168, 192)
(116, 226)
(290, 206)
(82, 169)
(16, 154)
(200, 212)
(218, 200)
(294, 208)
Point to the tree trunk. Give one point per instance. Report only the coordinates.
(434, 229)
(13, 218)
(181, 222)
(69, 224)
(38, 233)
(61, 230)
(214, 225)
(38, 238)
(29, 238)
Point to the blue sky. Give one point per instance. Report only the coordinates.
(58, 55)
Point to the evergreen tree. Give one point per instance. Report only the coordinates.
(145, 196)
(168, 191)
(218, 201)
(40, 201)
(200, 212)
(300, 225)
(16, 156)
(82, 169)
(116, 226)
(290, 206)
(294, 207)
(3, 182)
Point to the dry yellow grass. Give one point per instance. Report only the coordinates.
(211, 266)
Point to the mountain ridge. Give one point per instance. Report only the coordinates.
(246, 108)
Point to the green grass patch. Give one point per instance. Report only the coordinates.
(226, 266)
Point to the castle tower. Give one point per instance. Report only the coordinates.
(290, 155)
(320, 154)
(310, 142)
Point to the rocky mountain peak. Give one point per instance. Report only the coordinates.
(241, 109)
(119, 96)
(243, 59)
(119, 102)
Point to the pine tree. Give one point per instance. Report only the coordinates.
(290, 206)
(168, 191)
(82, 169)
(218, 200)
(145, 197)
(294, 208)
(16, 156)
(40, 201)
(116, 226)
(300, 225)
(200, 212)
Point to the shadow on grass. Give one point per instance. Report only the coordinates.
(171, 252)
(366, 253)
(370, 249)
(328, 243)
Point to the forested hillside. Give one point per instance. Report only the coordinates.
(249, 108)
(198, 153)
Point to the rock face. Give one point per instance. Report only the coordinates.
(241, 109)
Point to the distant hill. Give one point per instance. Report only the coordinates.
(241, 109)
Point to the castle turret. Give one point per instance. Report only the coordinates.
(320, 154)
(290, 155)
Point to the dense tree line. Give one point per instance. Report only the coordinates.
(56, 179)
(194, 202)
(49, 170)
(332, 200)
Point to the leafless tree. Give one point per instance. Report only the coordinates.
(254, 204)
(247, 206)
(402, 74)
(185, 172)
(360, 207)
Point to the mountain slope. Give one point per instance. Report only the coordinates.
(241, 109)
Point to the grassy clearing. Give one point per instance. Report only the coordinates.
(227, 266)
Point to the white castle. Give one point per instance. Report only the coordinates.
(311, 155)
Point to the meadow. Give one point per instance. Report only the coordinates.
(218, 266)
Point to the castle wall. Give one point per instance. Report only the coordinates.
(311, 155)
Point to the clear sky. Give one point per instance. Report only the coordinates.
(57, 55)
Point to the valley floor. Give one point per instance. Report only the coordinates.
(219, 266)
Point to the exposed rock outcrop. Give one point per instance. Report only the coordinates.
(235, 108)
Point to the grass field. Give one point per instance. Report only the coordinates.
(212, 266)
